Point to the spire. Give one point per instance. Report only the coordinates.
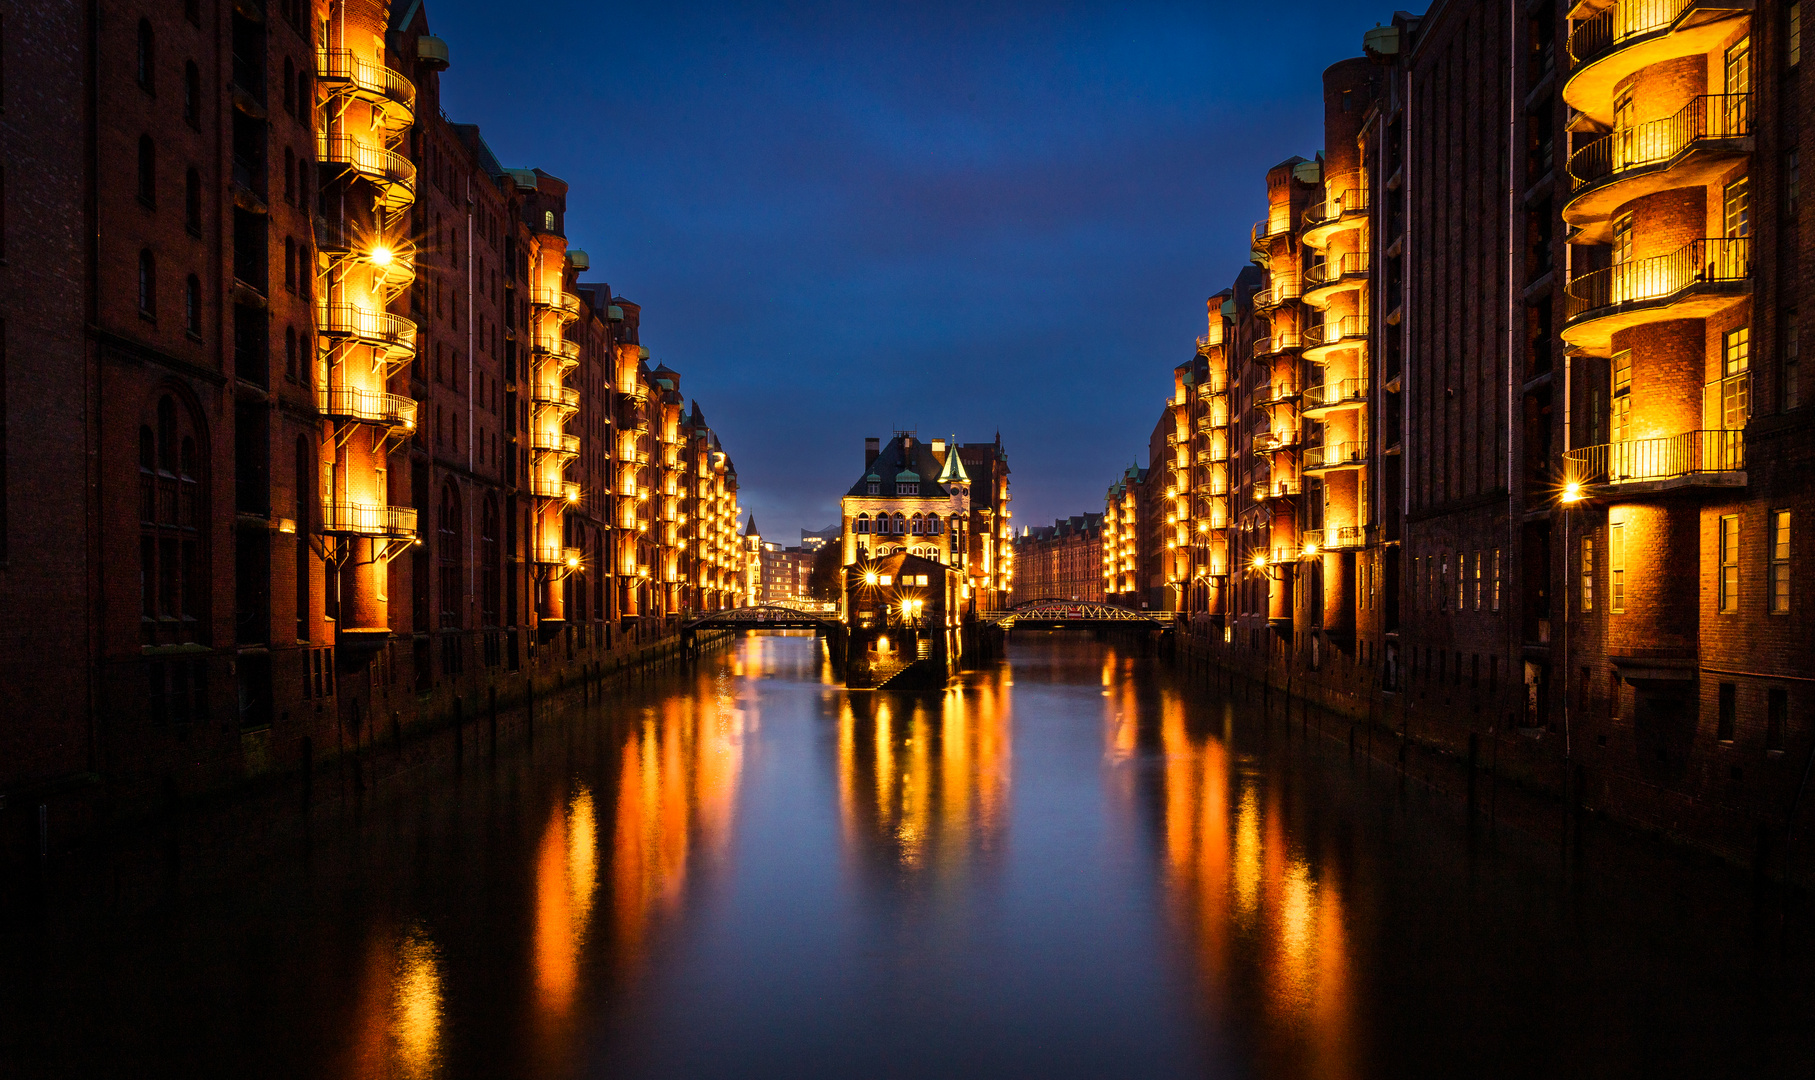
(750, 529)
(954, 466)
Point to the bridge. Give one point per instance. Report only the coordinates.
(1052, 613)
(766, 617)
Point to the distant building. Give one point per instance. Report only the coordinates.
(811, 542)
(1063, 561)
(991, 562)
(1123, 514)
(784, 572)
(914, 496)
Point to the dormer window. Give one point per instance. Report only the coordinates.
(907, 489)
(876, 489)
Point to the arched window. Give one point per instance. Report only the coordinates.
(900, 523)
(862, 524)
(192, 94)
(447, 550)
(192, 305)
(172, 565)
(932, 524)
(914, 524)
(148, 284)
(490, 588)
(147, 68)
(148, 171)
(192, 201)
(305, 565)
(548, 220)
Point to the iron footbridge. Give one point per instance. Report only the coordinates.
(1053, 613)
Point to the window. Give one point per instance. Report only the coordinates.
(875, 489)
(1793, 33)
(148, 285)
(1461, 581)
(1616, 566)
(1777, 717)
(1792, 182)
(1496, 579)
(1728, 719)
(1739, 66)
(1778, 570)
(447, 551)
(914, 524)
(900, 523)
(1736, 203)
(862, 524)
(1728, 586)
(1622, 240)
(1587, 573)
(192, 95)
(491, 575)
(1735, 386)
(1620, 411)
(548, 220)
(147, 63)
(1477, 585)
(1790, 356)
(172, 497)
(907, 489)
(192, 305)
(148, 171)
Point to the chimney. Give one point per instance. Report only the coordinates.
(871, 449)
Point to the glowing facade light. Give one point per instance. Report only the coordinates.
(1572, 492)
(380, 255)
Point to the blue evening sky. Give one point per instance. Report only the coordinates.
(958, 218)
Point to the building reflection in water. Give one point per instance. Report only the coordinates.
(923, 782)
(400, 1008)
(1264, 918)
(567, 874)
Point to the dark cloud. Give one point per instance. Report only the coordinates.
(841, 219)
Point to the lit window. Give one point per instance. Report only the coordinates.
(1587, 573)
(1620, 411)
(1793, 33)
(1728, 588)
(1735, 387)
(1616, 566)
(1780, 562)
(1737, 209)
(1496, 579)
(548, 220)
(1477, 581)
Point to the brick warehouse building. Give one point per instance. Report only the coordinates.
(1502, 440)
(1062, 561)
(311, 417)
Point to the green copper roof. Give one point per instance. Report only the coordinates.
(954, 465)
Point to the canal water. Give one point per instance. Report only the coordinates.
(1076, 863)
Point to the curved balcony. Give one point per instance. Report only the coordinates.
(1279, 342)
(1692, 148)
(366, 406)
(1212, 421)
(1286, 488)
(390, 172)
(1335, 396)
(1638, 466)
(1215, 384)
(1699, 279)
(364, 519)
(556, 555)
(554, 442)
(562, 351)
(1276, 293)
(1334, 457)
(1326, 338)
(1279, 393)
(1633, 34)
(1339, 211)
(1267, 228)
(1216, 453)
(392, 334)
(543, 487)
(339, 72)
(1273, 442)
(555, 396)
(1329, 279)
(393, 266)
(564, 305)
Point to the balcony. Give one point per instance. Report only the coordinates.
(1217, 453)
(1279, 393)
(565, 353)
(1332, 457)
(1335, 396)
(1327, 337)
(1279, 342)
(555, 396)
(339, 72)
(1344, 207)
(1692, 148)
(543, 487)
(1268, 227)
(361, 519)
(1331, 278)
(1629, 35)
(564, 305)
(1639, 466)
(554, 442)
(392, 265)
(392, 334)
(393, 174)
(1214, 420)
(1272, 442)
(1276, 293)
(366, 406)
(556, 555)
(1215, 384)
(1699, 279)
(1345, 537)
(1286, 488)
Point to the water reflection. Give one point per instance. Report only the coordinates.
(400, 1008)
(924, 782)
(1265, 918)
(566, 876)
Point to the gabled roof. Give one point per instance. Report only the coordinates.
(899, 464)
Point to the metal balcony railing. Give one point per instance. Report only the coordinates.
(1657, 142)
(1277, 393)
(1341, 392)
(1353, 264)
(1345, 537)
(394, 174)
(366, 406)
(1658, 279)
(1345, 194)
(554, 442)
(362, 519)
(553, 487)
(340, 69)
(1331, 455)
(1268, 442)
(555, 396)
(376, 328)
(1615, 26)
(566, 352)
(1335, 330)
(562, 303)
(1687, 454)
(556, 555)
(1283, 488)
(1276, 293)
(1279, 341)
